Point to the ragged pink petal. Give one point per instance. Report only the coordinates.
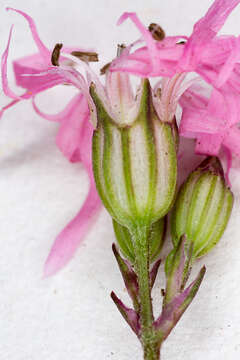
(70, 138)
(209, 144)
(212, 121)
(7, 91)
(74, 140)
(12, 103)
(68, 241)
(43, 50)
(204, 31)
(213, 58)
(31, 74)
(232, 140)
(228, 66)
(23, 69)
(168, 52)
(151, 43)
(73, 77)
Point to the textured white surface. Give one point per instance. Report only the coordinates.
(71, 316)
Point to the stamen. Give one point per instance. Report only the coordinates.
(156, 31)
(105, 68)
(85, 56)
(181, 42)
(56, 54)
(159, 93)
(120, 49)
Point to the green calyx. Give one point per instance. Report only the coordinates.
(134, 164)
(156, 236)
(202, 208)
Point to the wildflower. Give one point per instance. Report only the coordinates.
(73, 138)
(212, 121)
(215, 58)
(176, 54)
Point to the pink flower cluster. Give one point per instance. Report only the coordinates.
(210, 118)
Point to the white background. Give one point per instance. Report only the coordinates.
(70, 316)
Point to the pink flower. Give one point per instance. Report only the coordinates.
(174, 54)
(73, 138)
(212, 121)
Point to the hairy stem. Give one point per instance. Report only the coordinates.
(150, 343)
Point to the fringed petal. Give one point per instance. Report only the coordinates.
(70, 136)
(43, 50)
(31, 74)
(68, 241)
(204, 32)
(209, 144)
(151, 43)
(232, 140)
(6, 89)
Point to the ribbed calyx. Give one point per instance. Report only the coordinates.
(134, 161)
(156, 236)
(202, 208)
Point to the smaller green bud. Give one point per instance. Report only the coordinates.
(156, 237)
(202, 208)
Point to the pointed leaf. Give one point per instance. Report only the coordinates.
(129, 277)
(173, 311)
(128, 314)
(153, 272)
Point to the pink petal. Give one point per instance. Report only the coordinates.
(151, 43)
(229, 165)
(209, 144)
(7, 91)
(214, 19)
(229, 64)
(204, 31)
(73, 119)
(26, 66)
(43, 50)
(139, 63)
(199, 114)
(30, 73)
(74, 140)
(12, 103)
(59, 117)
(232, 140)
(70, 135)
(73, 234)
(73, 77)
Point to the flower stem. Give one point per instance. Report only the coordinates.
(148, 337)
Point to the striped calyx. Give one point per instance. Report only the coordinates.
(134, 159)
(156, 236)
(202, 208)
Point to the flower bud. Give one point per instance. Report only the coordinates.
(156, 237)
(202, 208)
(134, 159)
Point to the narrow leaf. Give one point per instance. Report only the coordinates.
(128, 314)
(129, 277)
